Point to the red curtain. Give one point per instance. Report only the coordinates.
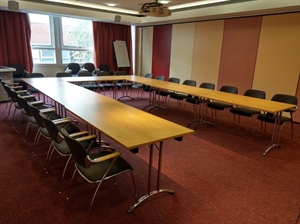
(15, 40)
(104, 35)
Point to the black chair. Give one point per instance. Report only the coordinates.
(180, 97)
(24, 102)
(58, 143)
(105, 68)
(213, 105)
(42, 130)
(139, 86)
(88, 85)
(247, 112)
(13, 92)
(34, 75)
(63, 74)
(198, 102)
(19, 74)
(89, 66)
(9, 99)
(271, 118)
(123, 84)
(149, 88)
(74, 67)
(105, 85)
(96, 167)
(166, 93)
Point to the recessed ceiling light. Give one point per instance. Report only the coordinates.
(111, 4)
(164, 2)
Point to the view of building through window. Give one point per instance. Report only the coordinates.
(76, 41)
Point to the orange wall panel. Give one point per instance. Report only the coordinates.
(239, 51)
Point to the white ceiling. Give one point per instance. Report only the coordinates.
(134, 5)
(99, 11)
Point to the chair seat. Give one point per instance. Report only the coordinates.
(45, 132)
(164, 92)
(62, 147)
(218, 105)
(16, 105)
(32, 120)
(179, 96)
(96, 171)
(195, 100)
(270, 118)
(106, 85)
(244, 111)
(90, 86)
(137, 86)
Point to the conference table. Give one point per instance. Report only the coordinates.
(129, 126)
(268, 106)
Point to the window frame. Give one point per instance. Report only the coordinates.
(56, 36)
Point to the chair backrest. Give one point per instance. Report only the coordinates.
(75, 67)
(50, 126)
(78, 151)
(63, 74)
(102, 73)
(148, 75)
(174, 80)
(189, 82)
(160, 77)
(12, 93)
(35, 112)
(229, 89)
(88, 66)
(207, 85)
(8, 90)
(255, 93)
(34, 75)
(84, 73)
(120, 73)
(105, 68)
(20, 71)
(284, 98)
(23, 103)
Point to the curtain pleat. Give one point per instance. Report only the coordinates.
(15, 40)
(104, 35)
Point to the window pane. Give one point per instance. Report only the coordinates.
(43, 56)
(77, 32)
(40, 29)
(77, 56)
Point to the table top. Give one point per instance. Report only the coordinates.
(235, 99)
(127, 125)
(6, 69)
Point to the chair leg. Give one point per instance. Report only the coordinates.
(92, 202)
(292, 131)
(36, 143)
(13, 117)
(254, 127)
(49, 156)
(63, 174)
(68, 195)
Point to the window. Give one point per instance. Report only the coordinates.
(41, 41)
(60, 40)
(77, 40)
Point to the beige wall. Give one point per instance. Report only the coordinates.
(197, 47)
(182, 51)
(146, 48)
(207, 51)
(277, 64)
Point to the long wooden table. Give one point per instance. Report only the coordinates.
(127, 125)
(269, 106)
